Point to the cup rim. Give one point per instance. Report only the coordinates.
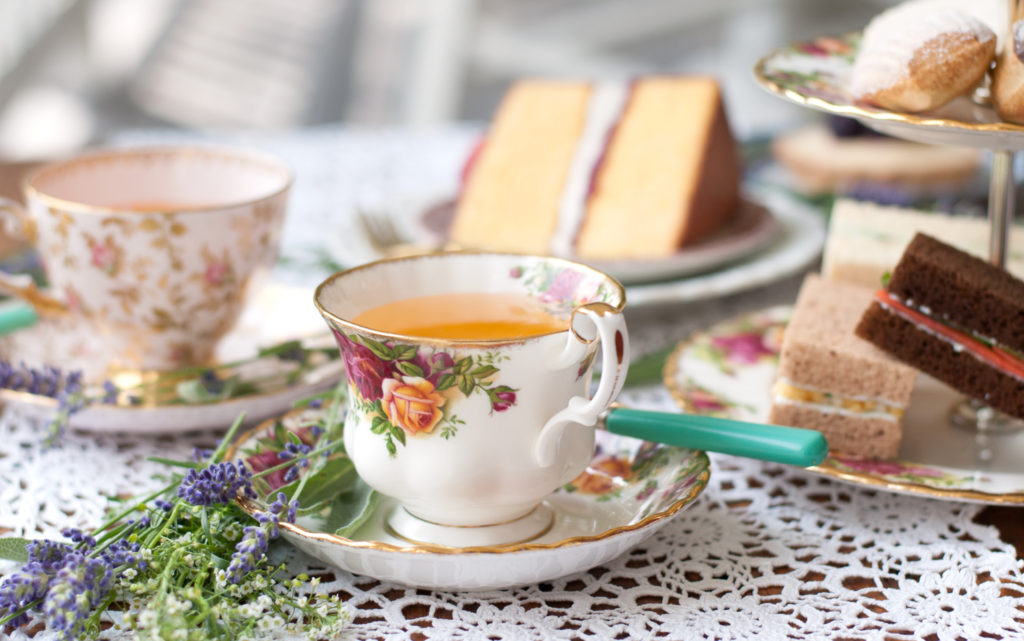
(31, 191)
(459, 342)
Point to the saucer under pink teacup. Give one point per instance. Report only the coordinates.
(152, 250)
(469, 385)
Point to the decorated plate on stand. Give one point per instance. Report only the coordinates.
(815, 74)
(728, 371)
(274, 357)
(630, 491)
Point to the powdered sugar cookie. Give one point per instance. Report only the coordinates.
(918, 56)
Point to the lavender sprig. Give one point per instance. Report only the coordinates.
(208, 384)
(52, 382)
(218, 483)
(159, 563)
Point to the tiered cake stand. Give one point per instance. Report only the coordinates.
(814, 74)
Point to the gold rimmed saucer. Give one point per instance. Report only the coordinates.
(728, 371)
(814, 74)
(265, 384)
(631, 489)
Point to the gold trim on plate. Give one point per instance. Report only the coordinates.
(871, 113)
(671, 369)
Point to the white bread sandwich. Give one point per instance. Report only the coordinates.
(865, 241)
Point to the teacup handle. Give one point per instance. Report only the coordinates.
(18, 222)
(608, 326)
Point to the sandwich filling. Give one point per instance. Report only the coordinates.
(985, 350)
(786, 392)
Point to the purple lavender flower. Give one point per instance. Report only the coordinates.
(248, 553)
(78, 536)
(49, 555)
(22, 588)
(73, 593)
(110, 392)
(291, 450)
(46, 381)
(211, 382)
(291, 474)
(122, 552)
(278, 511)
(316, 403)
(163, 505)
(218, 483)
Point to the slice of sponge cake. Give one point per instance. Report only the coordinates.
(510, 201)
(669, 175)
(834, 382)
(607, 171)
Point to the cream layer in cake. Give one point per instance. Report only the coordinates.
(510, 201)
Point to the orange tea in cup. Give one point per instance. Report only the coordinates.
(468, 316)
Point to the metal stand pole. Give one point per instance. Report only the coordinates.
(973, 414)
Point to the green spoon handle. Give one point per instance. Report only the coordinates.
(790, 445)
(15, 315)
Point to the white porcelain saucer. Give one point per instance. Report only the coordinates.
(275, 314)
(630, 491)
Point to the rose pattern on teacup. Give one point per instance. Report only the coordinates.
(476, 433)
(562, 288)
(405, 389)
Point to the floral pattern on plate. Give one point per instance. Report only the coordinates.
(815, 73)
(727, 371)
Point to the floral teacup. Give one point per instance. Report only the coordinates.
(153, 249)
(470, 436)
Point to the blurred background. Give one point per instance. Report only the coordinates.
(74, 71)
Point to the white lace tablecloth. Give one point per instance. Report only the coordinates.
(766, 551)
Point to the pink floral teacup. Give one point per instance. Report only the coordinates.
(470, 435)
(152, 249)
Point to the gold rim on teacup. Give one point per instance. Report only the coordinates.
(95, 156)
(621, 291)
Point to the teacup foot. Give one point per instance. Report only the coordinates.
(403, 525)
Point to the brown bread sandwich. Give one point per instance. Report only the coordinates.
(955, 317)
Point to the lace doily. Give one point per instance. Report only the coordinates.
(767, 551)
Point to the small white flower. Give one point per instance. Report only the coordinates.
(147, 618)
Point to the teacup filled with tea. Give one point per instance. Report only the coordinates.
(468, 381)
(152, 251)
